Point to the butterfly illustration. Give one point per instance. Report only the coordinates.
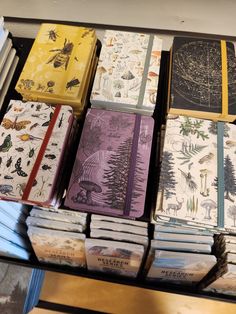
(6, 145)
(18, 169)
(47, 122)
(144, 139)
(8, 124)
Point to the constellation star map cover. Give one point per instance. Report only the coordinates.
(112, 163)
(33, 137)
(197, 178)
(199, 68)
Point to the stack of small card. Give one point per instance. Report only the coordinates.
(116, 246)
(179, 255)
(223, 277)
(60, 66)
(19, 288)
(35, 139)
(128, 72)
(8, 61)
(58, 236)
(13, 236)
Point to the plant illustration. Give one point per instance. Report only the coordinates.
(189, 180)
(193, 127)
(188, 151)
(192, 207)
(229, 179)
(203, 177)
(167, 181)
(116, 176)
(232, 214)
(213, 128)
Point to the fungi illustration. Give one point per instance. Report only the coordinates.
(127, 76)
(100, 71)
(204, 189)
(90, 187)
(154, 77)
(208, 205)
(155, 57)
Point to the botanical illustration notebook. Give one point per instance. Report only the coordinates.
(197, 178)
(128, 71)
(32, 142)
(58, 63)
(203, 78)
(112, 162)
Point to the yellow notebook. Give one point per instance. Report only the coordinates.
(58, 62)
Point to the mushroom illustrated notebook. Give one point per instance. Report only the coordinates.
(110, 172)
(203, 79)
(128, 71)
(197, 178)
(33, 140)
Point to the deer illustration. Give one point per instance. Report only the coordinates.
(175, 207)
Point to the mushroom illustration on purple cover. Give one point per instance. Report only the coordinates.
(90, 187)
(127, 76)
(208, 204)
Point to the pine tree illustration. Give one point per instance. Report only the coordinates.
(167, 179)
(230, 180)
(138, 178)
(116, 177)
(213, 128)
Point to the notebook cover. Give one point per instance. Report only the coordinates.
(197, 179)
(112, 162)
(58, 61)
(128, 71)
(114, 257)
(196, 75)
(33, 137)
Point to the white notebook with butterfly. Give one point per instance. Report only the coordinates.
(33, 137)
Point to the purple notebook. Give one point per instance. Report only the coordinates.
(111, 167)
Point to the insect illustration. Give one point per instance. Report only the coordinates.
(54, 144)
(62, 57)
(52, 35)
(207, 158)
(46, 167)
(28, 163)
(6, 145)
(6, 189)
(50, 156)
(18, 169)
(19, 149)
(8, 177)
(31, 152)
(28, 137)
(8, 124)
(87, 32)
(60, 121)
(33, 126)
(72, 83)
(9, 161)
(47, 122)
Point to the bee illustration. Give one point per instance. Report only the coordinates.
(72, 83)
(52, 35)
(62, 57)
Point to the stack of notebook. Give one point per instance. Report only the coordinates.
(222, 278)
(58, 236)
(202, 79)
(35, 139)
(116, 246)
(60, 66)
(180, 255)
(8, 61)
(20, 288)
(128, 72)
(13, 235)
(197, 184)
(111, 168)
